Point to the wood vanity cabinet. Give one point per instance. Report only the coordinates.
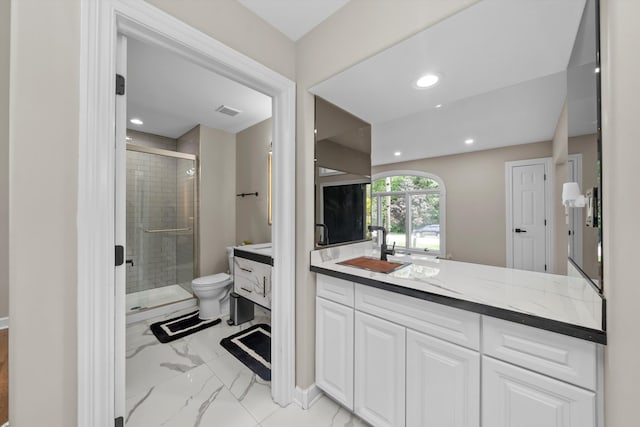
(395, 360)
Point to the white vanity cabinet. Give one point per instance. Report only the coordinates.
(252, 280)
(396, 360)
(542, 379)
(334, 338)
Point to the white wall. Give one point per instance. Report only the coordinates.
(621, 175)
(358, 30)
(5, 11)
(44, 94)
(252, 160)
(217, 215)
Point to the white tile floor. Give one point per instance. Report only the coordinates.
(194, 381)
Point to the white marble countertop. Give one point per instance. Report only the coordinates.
(570, 300)
(258, 248)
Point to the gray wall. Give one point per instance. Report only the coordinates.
(4, 156)
(252, 159)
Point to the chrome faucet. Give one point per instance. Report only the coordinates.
(384, 251)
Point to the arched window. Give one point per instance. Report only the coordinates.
(411, 206)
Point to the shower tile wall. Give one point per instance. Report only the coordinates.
(156, 200)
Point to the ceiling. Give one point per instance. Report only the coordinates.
(172, 95)
(294, 18)
(502, 67)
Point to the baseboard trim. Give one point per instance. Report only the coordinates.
(4, 324)
(307, 397)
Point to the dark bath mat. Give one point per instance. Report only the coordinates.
(181, 326)
(252, 347)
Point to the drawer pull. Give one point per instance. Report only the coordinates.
(245, 289)
(248, 270)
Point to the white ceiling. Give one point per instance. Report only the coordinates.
(502, 65)
(171, 95)
(294, 18)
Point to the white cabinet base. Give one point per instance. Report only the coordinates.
(379, 371)
(334, 350)
(513, 396)
(443, 383)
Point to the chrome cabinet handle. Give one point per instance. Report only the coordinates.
(248, 270)
(245, 289)
(264, 286)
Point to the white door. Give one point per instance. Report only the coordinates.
(528, 222)
(120, 233)
(334, 350)
(443, 383)
(379, 371)
(516, 397)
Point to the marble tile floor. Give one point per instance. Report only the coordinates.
(194, 381)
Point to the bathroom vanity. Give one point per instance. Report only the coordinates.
(447, 343)
(252, 273)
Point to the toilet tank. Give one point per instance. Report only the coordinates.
(230, 259)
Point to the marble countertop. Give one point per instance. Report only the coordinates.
(260, 252)
(564, 304)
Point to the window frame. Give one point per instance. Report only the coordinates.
(407, 195)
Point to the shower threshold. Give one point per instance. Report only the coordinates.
(154, 300)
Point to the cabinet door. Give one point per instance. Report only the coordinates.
(443, 383)
(334, 350)
(379, 371)
(513, 396)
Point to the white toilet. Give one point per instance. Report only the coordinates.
(213, 291)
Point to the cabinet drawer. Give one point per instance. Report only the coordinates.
(570, 359)
(337, 290)
(252, 280)
(450, 324)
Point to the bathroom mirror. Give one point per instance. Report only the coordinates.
(513, 103)
(342, 174)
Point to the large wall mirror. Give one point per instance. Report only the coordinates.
(342, 175)
(470, 163)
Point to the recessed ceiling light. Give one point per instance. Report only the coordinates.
(439, 106)
(136, 121)
(468, 141)
(597, 70)
(427, 80)
(397, 153)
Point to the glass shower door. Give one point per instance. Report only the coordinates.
(161, 221)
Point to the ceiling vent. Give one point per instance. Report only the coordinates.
(228, 110)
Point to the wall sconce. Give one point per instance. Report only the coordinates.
(571, 197)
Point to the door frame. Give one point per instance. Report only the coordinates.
(547, 162)
(101, 22)
(576, 214)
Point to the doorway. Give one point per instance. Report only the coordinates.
(528, 214)
(97, 327)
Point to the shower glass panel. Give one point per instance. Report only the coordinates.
(161, 221)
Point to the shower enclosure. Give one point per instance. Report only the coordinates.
(161, 227)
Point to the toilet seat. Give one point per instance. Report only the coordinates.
(211, 280)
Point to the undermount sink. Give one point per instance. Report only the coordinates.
(374, 264)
